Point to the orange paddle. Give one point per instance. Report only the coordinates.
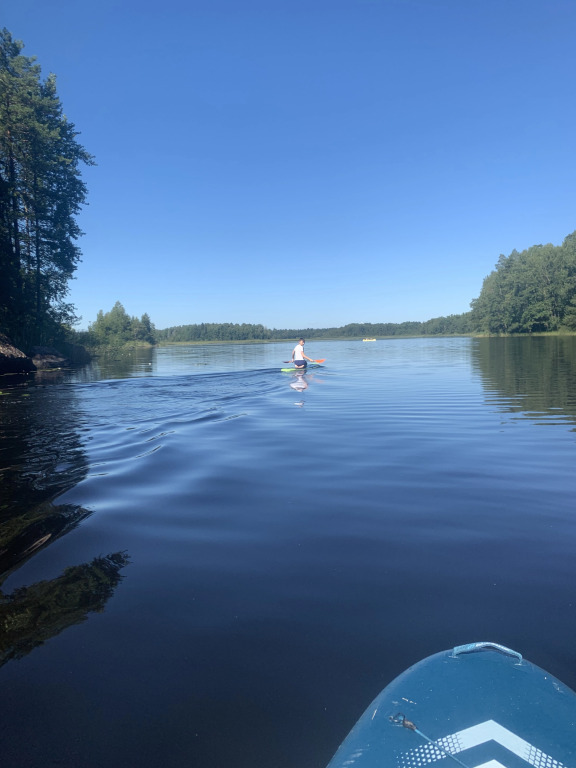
(314, 361)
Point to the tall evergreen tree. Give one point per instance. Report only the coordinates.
(41, 193)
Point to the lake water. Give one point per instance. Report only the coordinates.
(206, 562)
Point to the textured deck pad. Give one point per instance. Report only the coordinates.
(476, 706)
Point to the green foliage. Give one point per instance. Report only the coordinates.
(32, 615)
(453, 324)
(116, 329)
(215, 332)
(529, 292)
(41, 193)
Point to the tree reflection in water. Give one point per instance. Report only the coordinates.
(32, 615)
(24, 535)
(534, 377)
(42, 455)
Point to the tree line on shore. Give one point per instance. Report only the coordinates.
(453, 324)
(116, 329)
(41, 194)
(529, 292)
(533, 291)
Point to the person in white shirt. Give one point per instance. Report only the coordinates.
(298, 357)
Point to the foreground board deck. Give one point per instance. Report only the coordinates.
(478, 706)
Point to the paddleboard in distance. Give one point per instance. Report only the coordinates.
(301, 370)
(479, 706)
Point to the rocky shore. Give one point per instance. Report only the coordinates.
(13, 360)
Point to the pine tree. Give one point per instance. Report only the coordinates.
(41, 193)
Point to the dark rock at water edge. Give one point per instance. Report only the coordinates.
(13, 360)
(48, 357)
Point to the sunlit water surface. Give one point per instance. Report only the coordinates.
(207, 562)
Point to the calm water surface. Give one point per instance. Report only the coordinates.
(206, 562)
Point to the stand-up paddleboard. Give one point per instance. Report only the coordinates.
(478, 706)
(301, 370)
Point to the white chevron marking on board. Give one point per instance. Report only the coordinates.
(473, 737)
(491, 764)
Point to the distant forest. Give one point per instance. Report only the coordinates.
(533, 291)
(529, 292)
(454, 324)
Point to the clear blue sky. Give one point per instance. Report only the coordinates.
(309, 162)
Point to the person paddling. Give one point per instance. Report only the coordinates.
(298, 357)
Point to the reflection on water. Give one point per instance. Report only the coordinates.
(535, 377)
(285, 563)
(120, 364)
(42, 454)
(24, 535)
(32, 615)
(300, 382)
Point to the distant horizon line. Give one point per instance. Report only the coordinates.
(314, 328)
